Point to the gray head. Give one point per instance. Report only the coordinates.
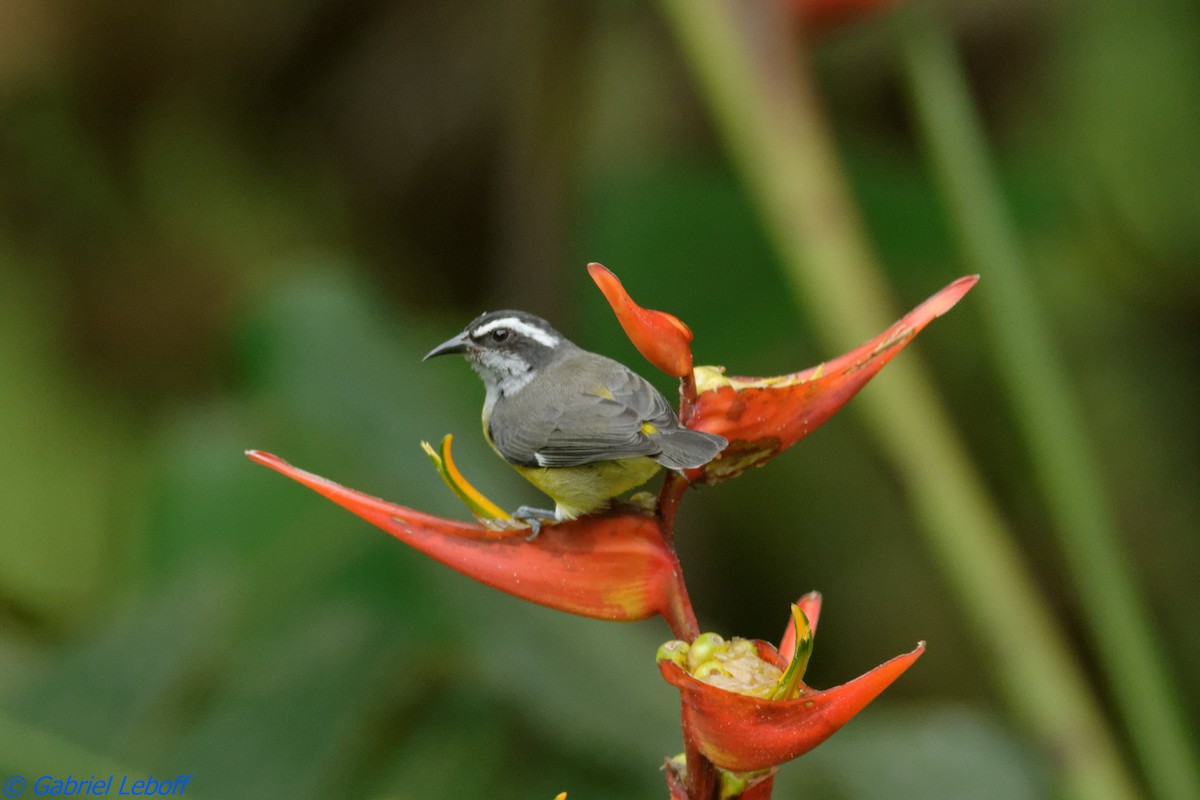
(507, 348)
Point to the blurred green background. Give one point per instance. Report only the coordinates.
(227, 226)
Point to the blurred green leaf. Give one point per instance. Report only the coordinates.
(293, 710)
(932, 753)
(114, 691)
(63, 466)
(27, 750)
(592, 686)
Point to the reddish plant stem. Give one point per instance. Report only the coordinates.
(680, 616)
(702, 782)
(674, 485)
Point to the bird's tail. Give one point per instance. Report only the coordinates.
(685, 448)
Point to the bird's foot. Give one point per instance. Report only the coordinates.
(533, 517)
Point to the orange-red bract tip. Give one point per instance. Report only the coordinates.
(614, 567)
(662, 338)
(744, 733)
(762, 417)
(947, 298)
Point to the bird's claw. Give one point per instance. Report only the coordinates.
(533, 517)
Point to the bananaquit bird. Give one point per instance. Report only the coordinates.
(580, 427)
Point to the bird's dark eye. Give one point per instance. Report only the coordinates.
(500, 334)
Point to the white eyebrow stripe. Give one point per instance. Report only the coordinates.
(523, 328)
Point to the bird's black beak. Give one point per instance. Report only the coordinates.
(458, 344)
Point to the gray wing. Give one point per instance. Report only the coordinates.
(583, 416)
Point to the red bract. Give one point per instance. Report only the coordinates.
(661, 337)
(762, 417)
(614, 567)
(746, 733)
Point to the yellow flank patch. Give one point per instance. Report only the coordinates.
(589, 487)
(602, 391)
(649, 429)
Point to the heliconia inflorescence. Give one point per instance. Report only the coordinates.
(745, 708)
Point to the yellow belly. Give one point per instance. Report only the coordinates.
(589, 488)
